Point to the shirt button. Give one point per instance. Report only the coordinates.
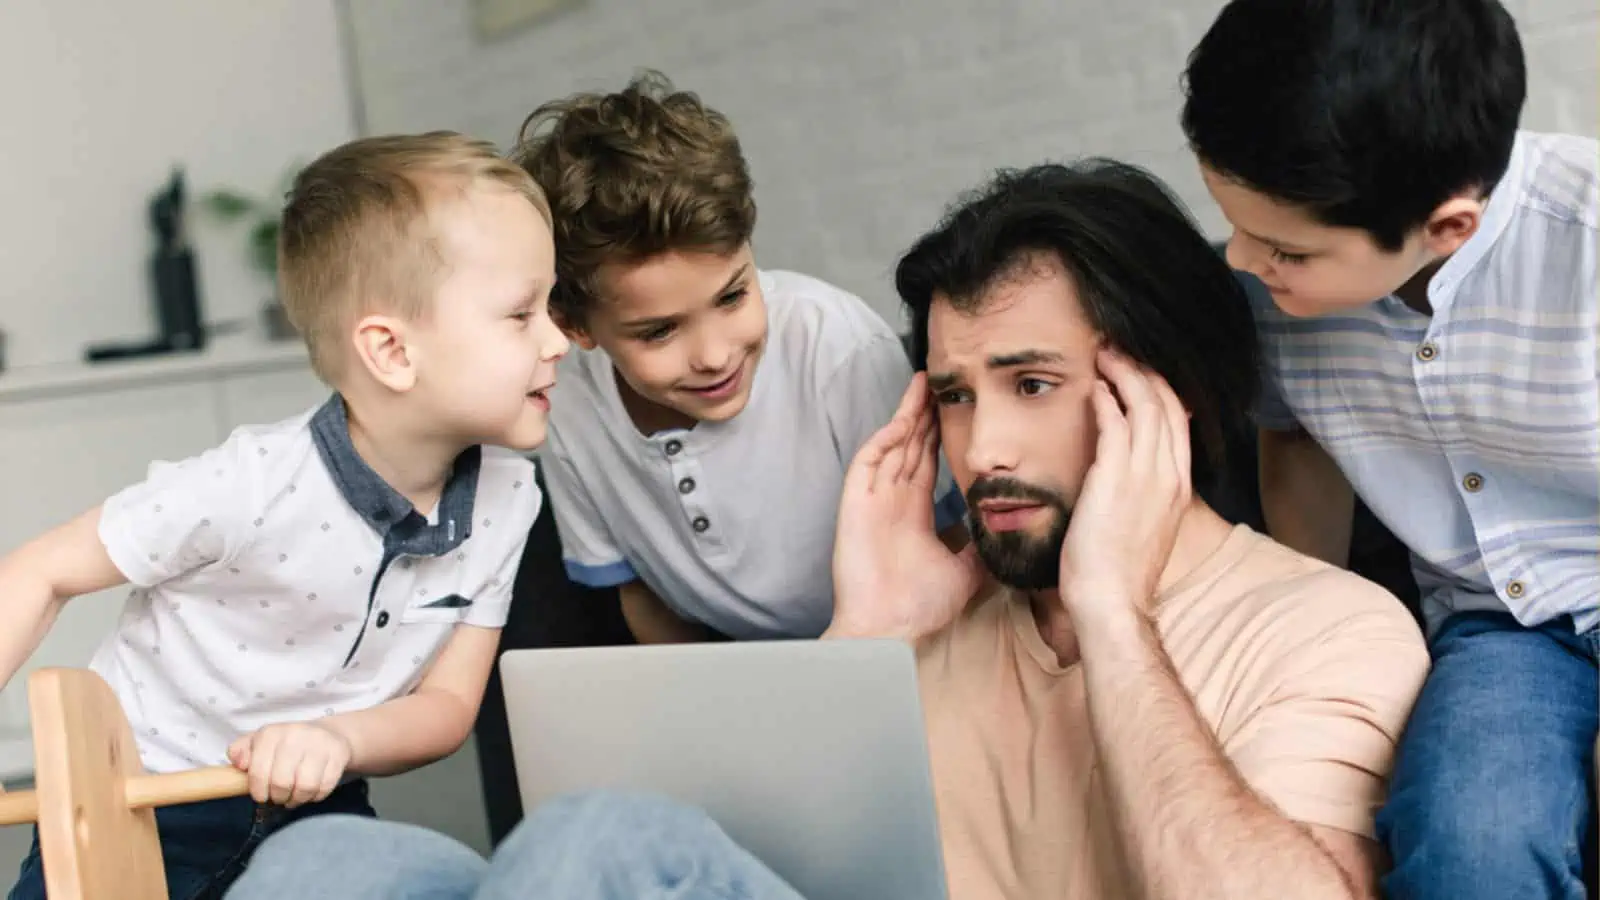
(1473, 482)
(673, 447)
(1427, 352)
(1515, 589)
(686, 486)
(701, 523)
(383, 618)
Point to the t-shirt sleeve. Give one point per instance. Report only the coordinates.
(492, 605)
(1322, 748)
(861, 397)
(185, 515)
(1272, 411)
(588, 551)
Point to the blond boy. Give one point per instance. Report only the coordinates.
(319, 600)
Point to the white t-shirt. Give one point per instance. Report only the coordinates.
(732, 523)
(279, 579)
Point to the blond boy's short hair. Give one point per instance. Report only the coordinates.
(355, 236)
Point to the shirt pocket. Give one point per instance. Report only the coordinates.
(450, 609)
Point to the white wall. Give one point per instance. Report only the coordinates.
(862, 118)
(98, 100)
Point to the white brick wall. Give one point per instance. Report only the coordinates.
(863, 118)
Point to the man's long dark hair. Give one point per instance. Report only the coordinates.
(1147, 279)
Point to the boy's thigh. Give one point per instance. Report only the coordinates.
(204, 846)
(1506, 711)
(198, 843)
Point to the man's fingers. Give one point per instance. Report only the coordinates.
(1143, 410)
(919, 449)
(870, 459)
(1111, 446)
(1178, 428)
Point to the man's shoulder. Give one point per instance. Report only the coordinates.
(1301, 600)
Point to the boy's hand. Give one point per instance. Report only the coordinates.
(292, 764)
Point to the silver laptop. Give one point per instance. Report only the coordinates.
(812, 755)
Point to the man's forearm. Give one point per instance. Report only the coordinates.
(404, 734)
(1190, 826)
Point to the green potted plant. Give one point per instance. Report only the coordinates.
(261, 219)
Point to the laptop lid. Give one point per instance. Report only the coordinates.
(812, 755)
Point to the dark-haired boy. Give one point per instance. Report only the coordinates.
(1428, 309)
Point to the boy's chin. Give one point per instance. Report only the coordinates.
(523, 436)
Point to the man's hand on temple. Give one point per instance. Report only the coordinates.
(1134, 496)
(892, 575)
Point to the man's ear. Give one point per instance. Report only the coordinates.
(383, 347)
(1455, 220)
(575, 331)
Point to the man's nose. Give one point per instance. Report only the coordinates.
(991, 442)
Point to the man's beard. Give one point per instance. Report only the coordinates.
(1023, 560)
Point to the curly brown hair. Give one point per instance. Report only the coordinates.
(631, 175)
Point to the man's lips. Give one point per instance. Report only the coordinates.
(1007, 515)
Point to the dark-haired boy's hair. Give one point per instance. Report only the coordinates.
(1366, 113)
(1148, 282)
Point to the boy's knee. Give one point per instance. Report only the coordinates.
(1494, 826)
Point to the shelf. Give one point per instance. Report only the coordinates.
(223, 357)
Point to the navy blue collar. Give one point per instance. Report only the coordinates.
(390, 514)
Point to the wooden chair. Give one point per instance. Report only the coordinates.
(92, 800)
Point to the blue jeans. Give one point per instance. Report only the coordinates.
(593, 846)
(1493, 789)
(204, 846)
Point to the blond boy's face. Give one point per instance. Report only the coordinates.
(487, 347)
(685, 332)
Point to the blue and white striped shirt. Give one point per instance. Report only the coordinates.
(1474, 433)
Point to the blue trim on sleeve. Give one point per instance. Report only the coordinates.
(950, 509)
(602, 576)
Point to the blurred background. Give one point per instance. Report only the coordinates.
(861, 120)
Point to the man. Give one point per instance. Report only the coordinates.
(1125, 695)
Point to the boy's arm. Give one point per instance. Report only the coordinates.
(432, 721)
(653, 622)
(38, 578)
(437, 716)
(1308, 503)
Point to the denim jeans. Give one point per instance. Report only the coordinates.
(204, 846)
(1493, 789)
(594, 846)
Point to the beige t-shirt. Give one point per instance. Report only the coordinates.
(1304, 672)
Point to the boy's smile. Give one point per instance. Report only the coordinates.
(685, 332)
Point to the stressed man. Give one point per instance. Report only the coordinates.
(1126, 696)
